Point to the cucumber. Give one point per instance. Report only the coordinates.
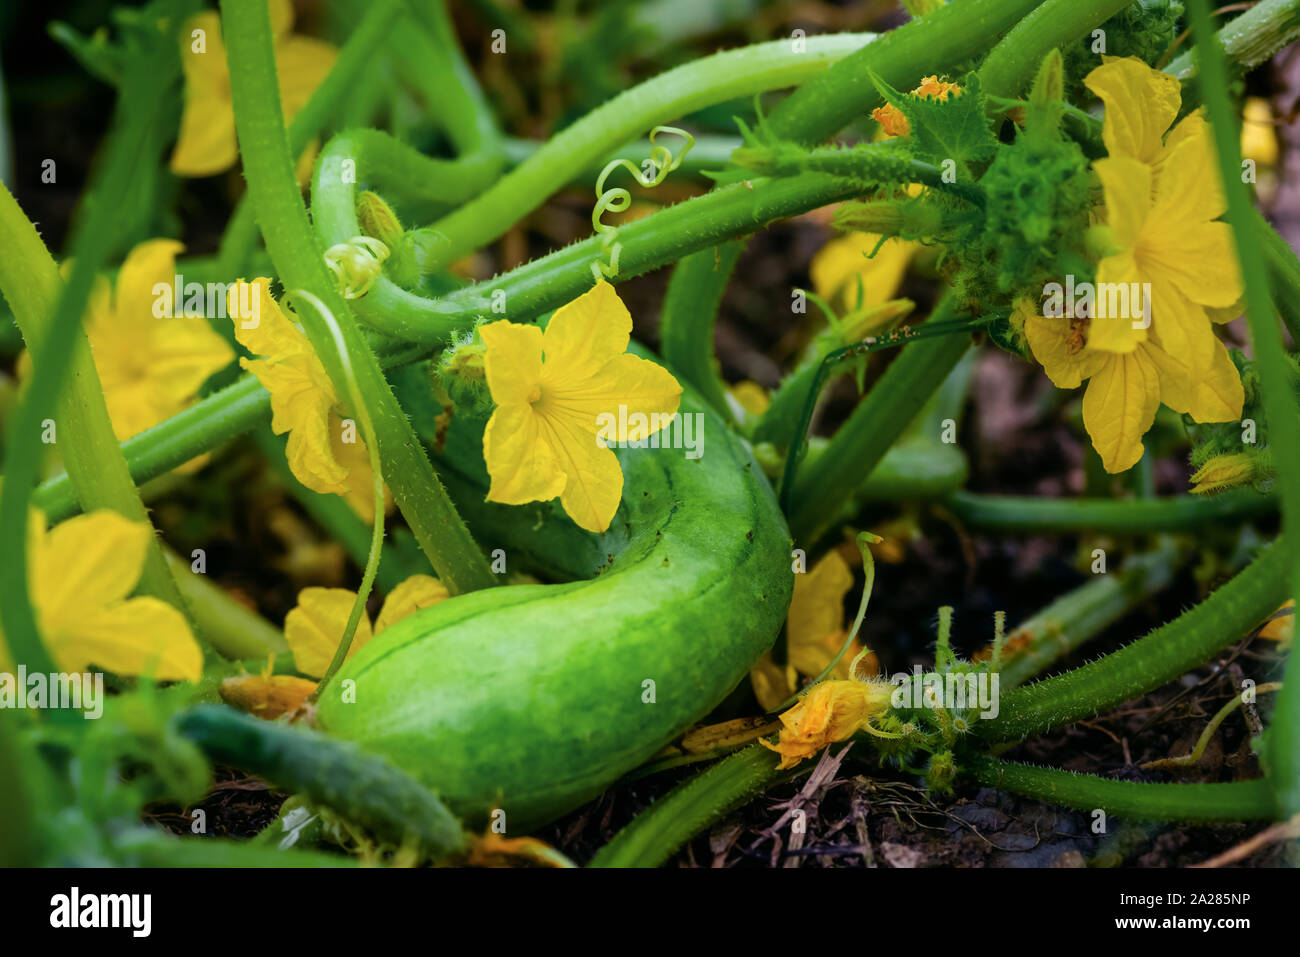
(532, 699)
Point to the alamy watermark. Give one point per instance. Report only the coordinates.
(670, 430)
(80, 691)
(1103, 300)
(210, 300)
(951, 691)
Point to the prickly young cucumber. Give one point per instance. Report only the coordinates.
(532, 699)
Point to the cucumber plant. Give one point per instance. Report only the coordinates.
(514, 703)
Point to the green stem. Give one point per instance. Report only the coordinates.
(1156, 659)
(1248, 40)
(689, 312)
(268, 167)
(140, 106)
(662, 99)
(95, 465)
(689, 808)
(862, 441)
(1035, 516)
(945, 39)
(1011, 65)
(234, 630)
(357, 54)
(1282, 744)
(1233, 801)
(1081, 614)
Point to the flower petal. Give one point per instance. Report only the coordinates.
(315, 626)
(1058, 347)
(1119, 406)
(143, 636)
(1140, 101)
(183, 354)
(841, 262)
(512, 361)
(87, 563)
(593, 484)
(1127, 187)
(585, 334)
(301, 63)
(626, 388)
(272, 334)
(1219, 395)
(206, 144)
(817, 604)
(520, 460)
(418, 591)
(146, 265)
(301, 405)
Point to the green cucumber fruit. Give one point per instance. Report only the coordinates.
(532, 699)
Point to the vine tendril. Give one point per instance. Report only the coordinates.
(617, 199)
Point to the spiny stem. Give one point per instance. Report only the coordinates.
(1234, 801)
(268, 166)
(377, 483)
(1282, 743)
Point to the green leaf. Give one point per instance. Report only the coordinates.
(953, 129)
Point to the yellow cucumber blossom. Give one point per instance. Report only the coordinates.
(325, 452)
(1162, 199)
(831, 711)
(313, 629)
(206, 144)
(842, 263)
(553, 390)
(81, 573)
(815, 632)
(150, 364)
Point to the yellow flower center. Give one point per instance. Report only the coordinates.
(535, 396)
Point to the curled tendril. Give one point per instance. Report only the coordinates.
(356, 264)
(617, 199)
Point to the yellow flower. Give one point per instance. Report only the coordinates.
(1258, 136)
(841, 263)
(315, 626)
(815, 633)
(831, 711)
(206, 144)
(81, 574)
(325, 452)
(1280, 626)
(1162, 197)
(150, 367)
(268, 696)
(559, 395)
(892, 118)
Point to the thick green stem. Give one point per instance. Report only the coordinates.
(208, 423)
(358, 53)
(1249, 39)
(1013, 62)
(140, 107)
(1156, 659)
(689, 808)
(1081, 614)
(689, 312)
(233, 629)
(862, 441)
(669, 96)
(1282, 743)
(1036, 516)
(95, 465)
(268, 166)
(1233, 801)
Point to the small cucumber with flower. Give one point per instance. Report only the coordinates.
(532, 699)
